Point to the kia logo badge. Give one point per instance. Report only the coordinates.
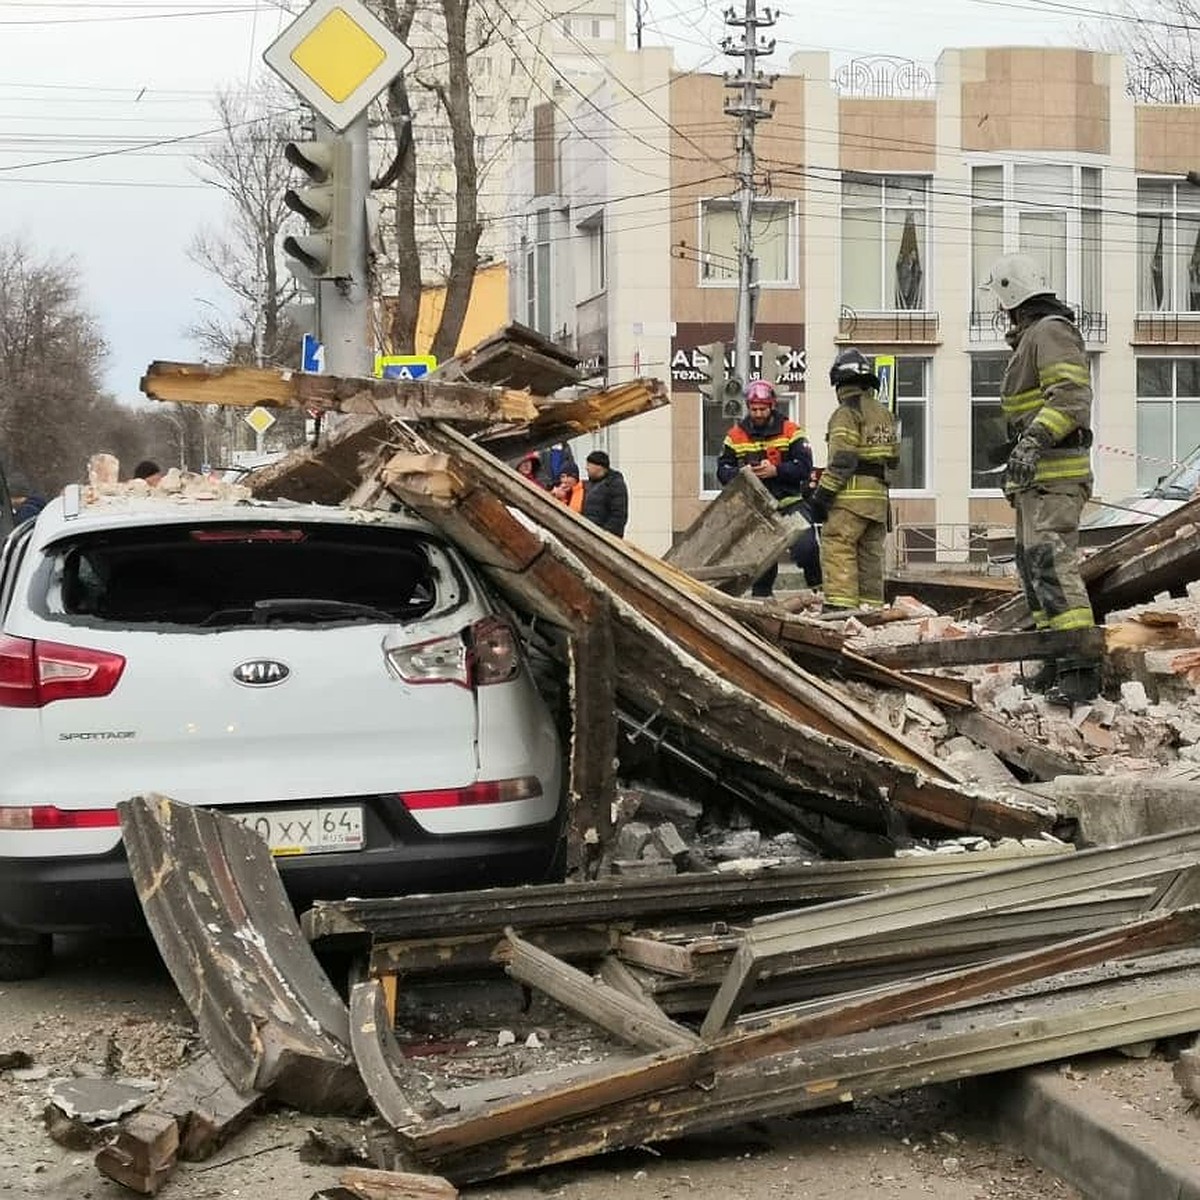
(260, 672)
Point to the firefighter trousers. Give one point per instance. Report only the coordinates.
(1047, 554)
(852, 559)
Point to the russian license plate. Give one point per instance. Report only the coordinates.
(322, 830)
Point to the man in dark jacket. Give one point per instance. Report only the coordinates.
(778, 453)
(605, 496)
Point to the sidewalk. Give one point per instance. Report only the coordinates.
(1115, 1129)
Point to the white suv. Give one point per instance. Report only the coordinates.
(337, 679)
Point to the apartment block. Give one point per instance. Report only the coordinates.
(884, 194)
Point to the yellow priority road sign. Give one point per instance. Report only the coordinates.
(338, 56)
(259, 419)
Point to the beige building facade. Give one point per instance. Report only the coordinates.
(884, 196)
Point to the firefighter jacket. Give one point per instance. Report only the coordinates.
(861, 447)
(779, 441)
(1047, 384)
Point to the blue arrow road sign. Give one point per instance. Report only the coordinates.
(312, 355)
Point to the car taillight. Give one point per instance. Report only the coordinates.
(489, 791)
(493, 652)
(46, 816)
(486, 654)
(442, 660)
(34, 673)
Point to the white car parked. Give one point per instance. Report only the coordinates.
(338, 680)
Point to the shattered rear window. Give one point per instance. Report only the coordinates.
(236, 574)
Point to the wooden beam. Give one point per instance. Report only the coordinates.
(633, 1022)
(1002, 1036)
(393, 399)
(1017, 749)
(657, 1077)
(607, 902)
(987, 648)
(593, 773)
(926, 905)
(370, 1184)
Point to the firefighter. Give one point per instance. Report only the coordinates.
(1046, 398)
(778, 453)
(851, 500)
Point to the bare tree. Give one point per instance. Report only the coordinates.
(53, 414)
(248, 165)
(451, 85)
(1155, 36)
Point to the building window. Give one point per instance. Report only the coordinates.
(718, 417)
(1168, 414)
(1168, 246)
(774, 239)
(1050, 211)
(989, 428)
(912, 408)
(884, 242)
(593, 273)
(539, 307)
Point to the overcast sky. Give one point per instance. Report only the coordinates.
(87, 87)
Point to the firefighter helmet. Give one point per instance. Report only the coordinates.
(852, 367)
(1014, 278)
(760, 390)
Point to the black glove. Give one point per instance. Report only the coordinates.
(818, 506)
(1023, 461)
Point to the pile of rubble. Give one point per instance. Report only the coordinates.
(808, 860)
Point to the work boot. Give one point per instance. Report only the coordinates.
(1043, 679)
(1078, 682)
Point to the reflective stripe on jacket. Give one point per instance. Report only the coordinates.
(781, 442)
(1047, 383)
(861, 440)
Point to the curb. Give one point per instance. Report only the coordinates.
(1091, 1139)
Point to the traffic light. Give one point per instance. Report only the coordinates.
(721, 387)
(774, 361)
(325, 204)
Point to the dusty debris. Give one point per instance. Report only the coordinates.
(98, 1100)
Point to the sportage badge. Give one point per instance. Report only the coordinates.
(261, 672)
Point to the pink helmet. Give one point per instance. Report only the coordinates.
(760, 390)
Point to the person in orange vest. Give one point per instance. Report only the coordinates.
(778, 453)
(568, 488)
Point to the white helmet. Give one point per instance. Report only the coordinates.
(1014, 278)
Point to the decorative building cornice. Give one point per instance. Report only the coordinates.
(884, 76)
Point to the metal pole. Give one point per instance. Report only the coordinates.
(749, 112)
(344, 305)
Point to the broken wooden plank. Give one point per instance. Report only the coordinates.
(983, 1040)
(206, 1106)
(1095, 567)
(593, 752)
(365, 1183)
(475, 953)
(1168, 567)
(633, 1022)
(516, 356)
(599, 903)
(378, 1056)
(143, 1155)
(267, 1011)
(561, 421)
(393, 399)
(742, 527)
(987, 648)
(656, 1077)
(1035, 758)
(491, 1091)
(929, 904)
(713, 651)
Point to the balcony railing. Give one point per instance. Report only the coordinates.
(901, 325)
(987, 326)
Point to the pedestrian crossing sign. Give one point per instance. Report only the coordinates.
(404, 366)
